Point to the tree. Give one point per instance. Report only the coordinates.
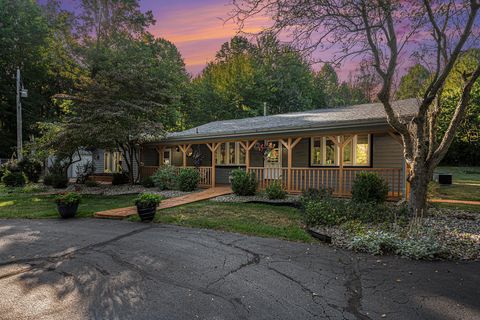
(381, 31)
(465, 149)
(24, 42)
(328, 82)
(245, 75)
(413, 82)
(134, 97)
(130, 85)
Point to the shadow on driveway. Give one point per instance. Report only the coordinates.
(87, 268)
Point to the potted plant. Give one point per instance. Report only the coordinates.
(67, 204)
(147, 205)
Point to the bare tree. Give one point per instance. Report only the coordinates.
(384, 32)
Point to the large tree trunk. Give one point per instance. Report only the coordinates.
(419, 179)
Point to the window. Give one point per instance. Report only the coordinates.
(362, 150)
(230, 153)
(356, 151)
(112, 162)
(167, 158)
(317, 151)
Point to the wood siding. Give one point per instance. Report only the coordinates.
(387, 153)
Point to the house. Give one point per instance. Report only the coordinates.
(107, 162)
(310, 149)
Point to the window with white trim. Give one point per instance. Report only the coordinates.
(356, 150)
(112, 162)
(230, 153)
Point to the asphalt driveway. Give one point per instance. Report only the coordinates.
(98, 269)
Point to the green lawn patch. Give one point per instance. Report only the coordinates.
(466, 184)
(253, 219)
(28, 205)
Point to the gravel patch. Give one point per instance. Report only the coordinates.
(256, 198)
(109, 190)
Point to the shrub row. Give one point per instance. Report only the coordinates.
(16, 174)
(166, 178)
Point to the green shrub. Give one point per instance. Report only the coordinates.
(68, 198)
(423, 248)
(314, 195)
(91, 183)
(147, 200)
(275, 191)
(327, 212)
(33, 188)
(12, 166)
(368, 212)
(147, 182)
(31, 168)
(48, 179)
(376, 242)
(369, 187)
(58, 180)
(165, 178)
(14, 179)
(243, 183)
(188, 179)
(119, 178)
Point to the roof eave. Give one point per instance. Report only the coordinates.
(278, 131)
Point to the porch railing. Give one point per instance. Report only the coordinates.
(339, 181)
(205, 173)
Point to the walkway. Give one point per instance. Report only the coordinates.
(121, 213)
(469, 202)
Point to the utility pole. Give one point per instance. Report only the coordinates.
(264, 109)
(19, 119)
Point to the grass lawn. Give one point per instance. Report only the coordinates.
(248, 218)
(466, 184)
(28, 205)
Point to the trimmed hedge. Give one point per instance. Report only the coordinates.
(165, 178)
(188, 179)
(243, 183)
(369, 187)
(14, 179)
(275, 191)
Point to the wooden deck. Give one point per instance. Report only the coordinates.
(121, 213)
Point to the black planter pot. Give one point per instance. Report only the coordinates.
(147, 213)
(67, 210)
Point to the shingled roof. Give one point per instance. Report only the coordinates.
(352, 116)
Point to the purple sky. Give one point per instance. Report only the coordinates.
(197, 29)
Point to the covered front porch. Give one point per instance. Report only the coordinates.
(300, 163)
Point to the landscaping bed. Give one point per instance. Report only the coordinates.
(257, 198)
(444, 234)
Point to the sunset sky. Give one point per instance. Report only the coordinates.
(198, 29)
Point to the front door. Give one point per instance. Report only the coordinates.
(273, 160)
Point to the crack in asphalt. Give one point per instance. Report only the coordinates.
(46, 262)
(353, 286)
(235, 302)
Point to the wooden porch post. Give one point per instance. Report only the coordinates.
(247, 146)
(184, 148)
(160, 151)
(213, 148)
(289, 145)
